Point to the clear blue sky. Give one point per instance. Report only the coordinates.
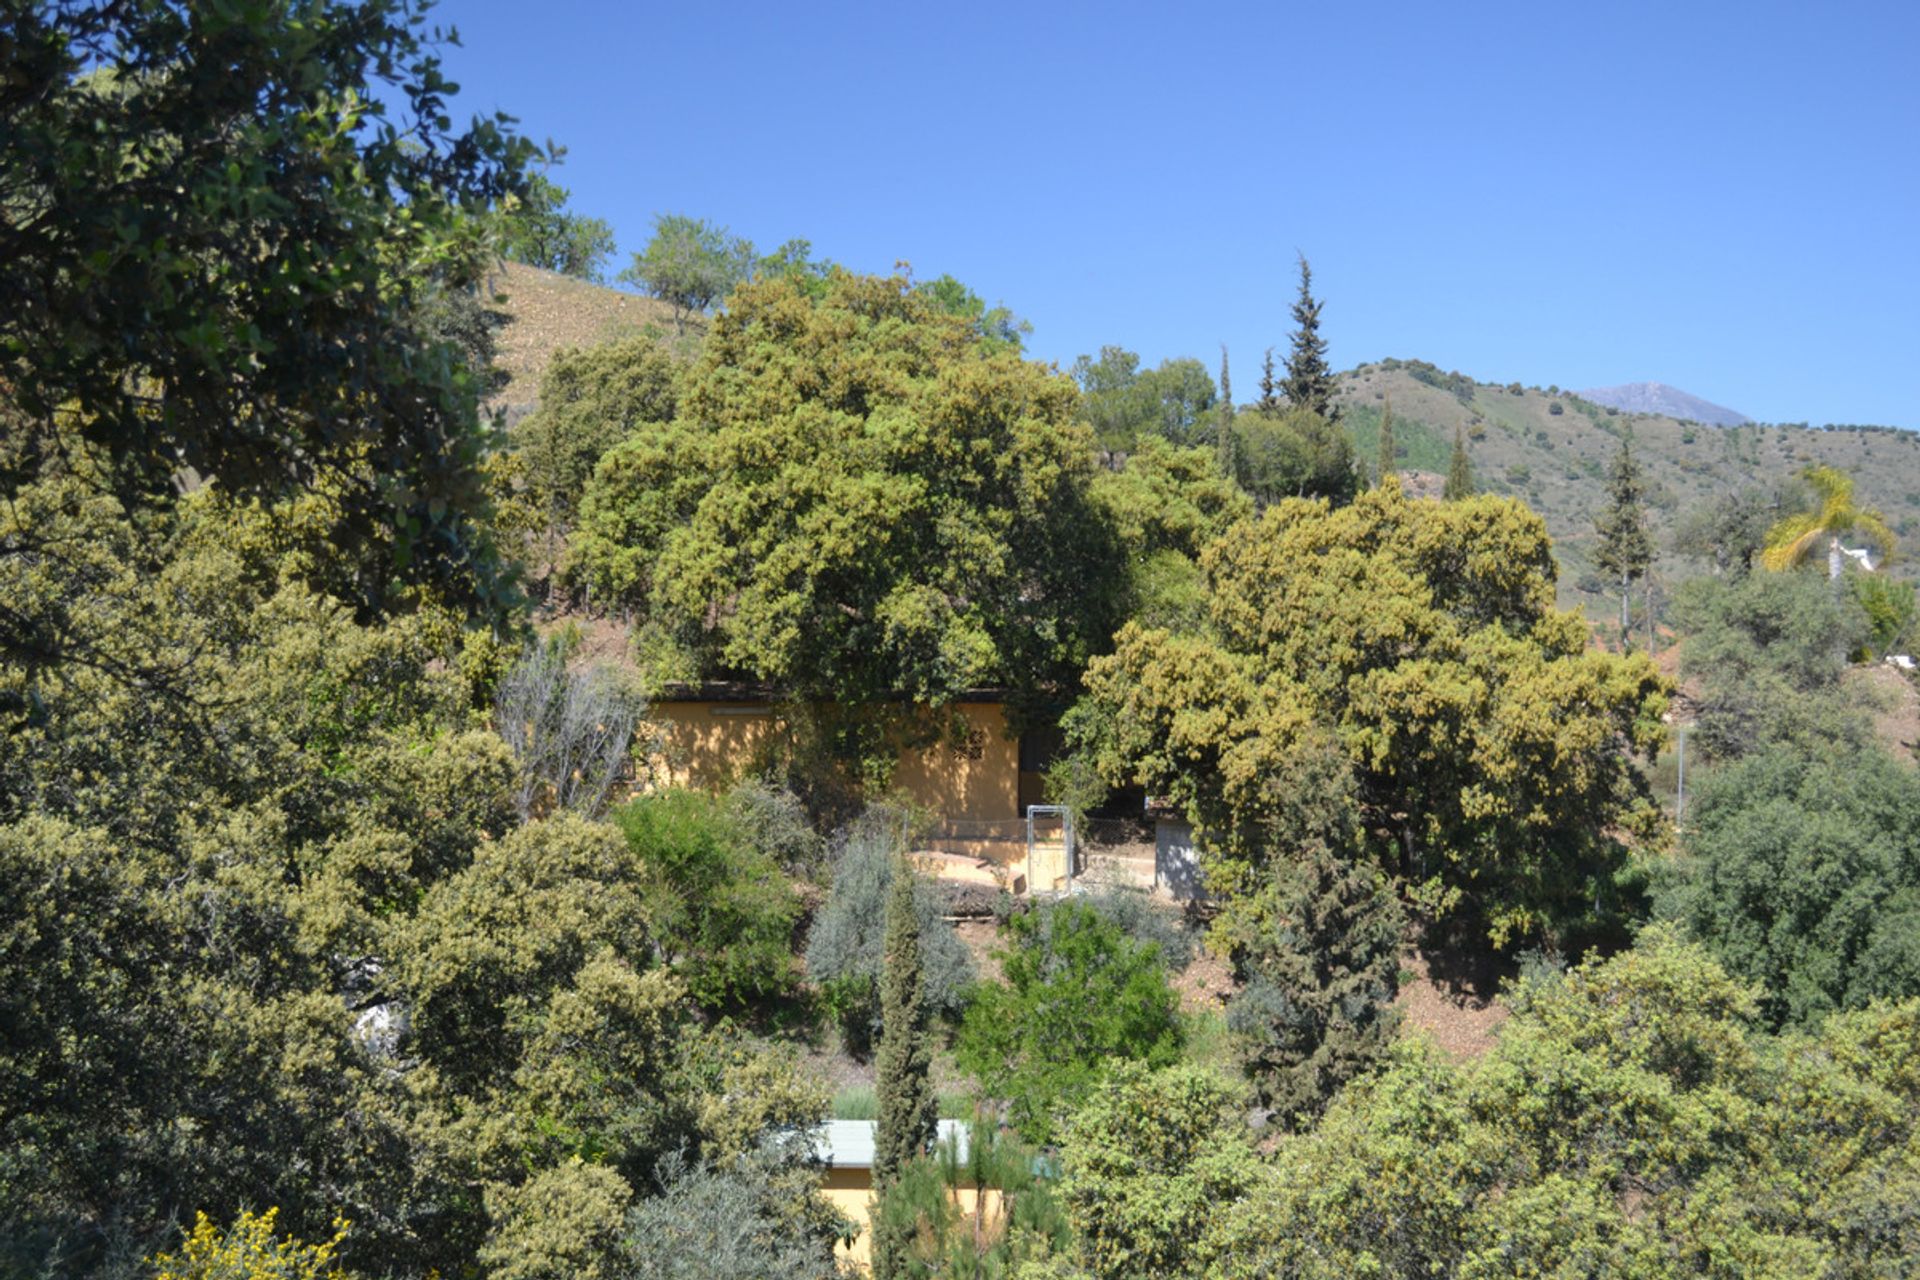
(1721, 196)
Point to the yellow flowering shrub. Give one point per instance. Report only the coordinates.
(248, 1250)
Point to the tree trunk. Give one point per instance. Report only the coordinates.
(1834, 559)
(1626, 589)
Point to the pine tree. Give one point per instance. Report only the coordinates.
(1459, 470)
(1309, 383)
(1625, 550)
(1389, 450)
(1269, 401)
(908, 1120)
(1322, 967)
(1224, 445)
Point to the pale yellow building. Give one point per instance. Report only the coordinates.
(977, 783)
(847, 1148)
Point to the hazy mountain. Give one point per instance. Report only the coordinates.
(1667, 402)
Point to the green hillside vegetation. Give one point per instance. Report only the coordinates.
(1557, 461)
(351, 933)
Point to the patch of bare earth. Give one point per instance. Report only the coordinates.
(1451, 1002)
(548, 313)
(1894, 705)
(1205, 984)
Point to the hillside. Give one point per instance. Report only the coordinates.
(1553, 450)
(1549, 447)
(547, 312)
(1668, 402)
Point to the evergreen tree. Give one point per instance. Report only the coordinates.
(1625, 548)
(1459, 470)
(1389, 451)
(1309, 383)
(1269, 402)
(1224, 444)
(908, 1120)
(1321, 955)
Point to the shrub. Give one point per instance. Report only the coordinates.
(1556, 408)
(731, 1220)
(843, 948)
(571, 731)
(1000, 1236)
(249, 1250)
(721, 910)
(1146, 922)
(1148, 1162)
(1803, 875)
(1080, 995)
(777, 823)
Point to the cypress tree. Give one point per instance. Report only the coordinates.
(908, 1119)
(1309, 383)
(907, 1115)
(1389, 450)
(1224, 445)
(1269, 402)
(1625, 550)
(1459, 470)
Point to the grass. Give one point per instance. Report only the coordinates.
(1207, 1041)
(860, 1102)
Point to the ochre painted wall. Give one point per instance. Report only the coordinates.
(977, 782)
(710, 744)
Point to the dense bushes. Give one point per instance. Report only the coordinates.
(1628, 1123)
(844, 945)
(1079, 996)
(1803, 874)
(721, 910)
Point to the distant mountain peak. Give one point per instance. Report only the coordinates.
(1670, 402)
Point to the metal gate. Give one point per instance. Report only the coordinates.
(1050, 849)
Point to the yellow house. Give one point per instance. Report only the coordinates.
(977, 783)
(847, 1148)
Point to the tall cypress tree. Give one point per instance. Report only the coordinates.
(1269, 402)
(907, 1114)
(1309, 383)
(1223, 446)
(1389, 449)
(908, 1119)
(1459, 470)
(1625, 550)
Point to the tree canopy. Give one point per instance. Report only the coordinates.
(225, 231)
(859, 501)
(1389, 678)
(690, 264)
(538, 229)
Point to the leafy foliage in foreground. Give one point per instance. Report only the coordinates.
(222, 259)
(1629, 1123)
(1148, 1162)
(1079, 996)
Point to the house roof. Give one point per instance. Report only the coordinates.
(848, 1144)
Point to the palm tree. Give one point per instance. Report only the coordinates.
(1794, 539)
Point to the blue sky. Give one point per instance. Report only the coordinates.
(1724, 197)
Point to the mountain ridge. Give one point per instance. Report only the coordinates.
(1665, 401)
